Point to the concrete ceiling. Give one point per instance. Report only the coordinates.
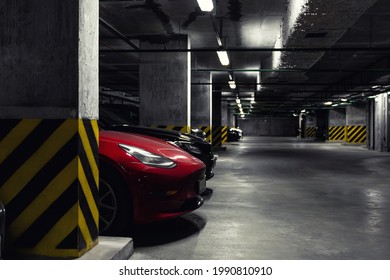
(304, 51)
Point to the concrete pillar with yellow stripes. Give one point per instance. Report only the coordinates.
(48, 127)
(356, 124)
(201, 102)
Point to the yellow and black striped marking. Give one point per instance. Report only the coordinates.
(356, 134)
(224, 134)
(49, 184)
(207, 130)
(218, 132)
(337, 133)
(310, 132)
(184, 129)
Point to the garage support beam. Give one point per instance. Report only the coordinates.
(201, 103)
(165, 86)
(48, 126)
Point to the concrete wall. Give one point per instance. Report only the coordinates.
(356, 115)
(337, 117)
(311, 120)
(271, 126)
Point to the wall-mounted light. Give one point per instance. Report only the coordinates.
(223, 57)
(206, 5)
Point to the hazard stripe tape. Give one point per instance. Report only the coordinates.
(356, 134)
(224, 134)
(310, 132)
(337, 133)
(49, 184)
(216, 139)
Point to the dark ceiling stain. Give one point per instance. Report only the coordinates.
(157, 10)
(192, 17)
(234, 10)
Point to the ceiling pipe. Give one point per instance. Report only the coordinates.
(118, 34)
(331, 49)
(292, 70)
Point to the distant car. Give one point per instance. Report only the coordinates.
(196, 146)
(145, 179)
(234, 134)
(2, 229)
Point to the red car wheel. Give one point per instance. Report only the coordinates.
(115, 215)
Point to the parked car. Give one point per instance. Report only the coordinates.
(234, 134)
(198, 132)
(192, 144)
(2, 229)
(145, 179)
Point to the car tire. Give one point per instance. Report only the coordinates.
(115, 206)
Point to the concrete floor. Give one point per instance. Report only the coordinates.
(283, 198)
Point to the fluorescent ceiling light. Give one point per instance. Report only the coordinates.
(232, 84)
(328, 103)
(223, 57)
(344, 99)
(206, 5)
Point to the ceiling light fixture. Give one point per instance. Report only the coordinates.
(223, 57)
(344, 99)
(206, 5)
(328, 103)
(232, 84)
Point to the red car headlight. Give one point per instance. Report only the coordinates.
(148, 158)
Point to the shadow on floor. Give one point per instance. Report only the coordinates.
(168, 231)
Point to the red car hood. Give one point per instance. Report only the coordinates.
(148, 143)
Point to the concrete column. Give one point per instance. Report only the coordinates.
(356, 122)
(311, 124)
(201, 100)
(224, 113)
(337, 128)
(165, 84)
(218, 131)
(48, 126)
(231, 119)
(381, 123)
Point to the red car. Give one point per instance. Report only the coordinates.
(145, 179)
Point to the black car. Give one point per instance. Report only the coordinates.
(196, 146)
(2, 229)
(234, 134)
